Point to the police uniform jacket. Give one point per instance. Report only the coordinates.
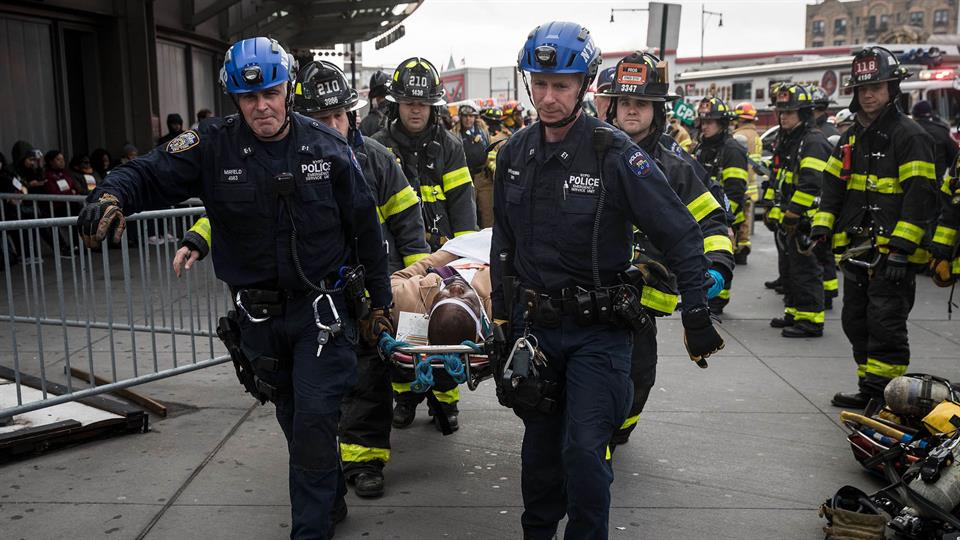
(398, 207)
(475, 142)
(889, 165)
(726, 162)
(438, 173)
(799, 161)
(546, 198)
(225, 165)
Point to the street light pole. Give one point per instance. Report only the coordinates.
(703, 16)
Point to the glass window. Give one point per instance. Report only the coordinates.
(916, 18)
(940, 17)
(839, 42)
(818, 28)
(742, 90)
(839, 26)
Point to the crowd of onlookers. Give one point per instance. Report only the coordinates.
(28, 170)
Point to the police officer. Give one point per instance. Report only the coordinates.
(821, 102)
(726, 162)
(638, 97)
(434, 163)
(800, 157)
(600, 100)
(599, 183)
(476, 140)
(879, 197)
(378, 116)
(288, 205)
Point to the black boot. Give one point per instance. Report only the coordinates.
(782, 322)
(773, 284)
(452, 412)
(802, 329)
(858, 400)
(368, 484)
(403, 414)
(740, 257)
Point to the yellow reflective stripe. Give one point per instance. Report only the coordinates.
(630, 421)
(461, 233)
(738, 218)
(813, 163)
(432, 194)
(357, 454)
(824, 219)
(955, 266)
(609, 455)
(769, 194)
(456, 178)
(202, 227)
(786, 176)
(919, 255)
(717, 242)
(910, 169)
(450, 396)
(702, 206)
(833, 166)
(831, 284)
(411, 259)
(724, 294)
(657, 300)
(400, 387)
(945, 186)
(734, 172)
(945, 235)
(908, 231)
(803, 199)
(775, 214)
(883, 369)
(840, 240)
(791, 311)
(862, 182)
(812, 316)
(400, 201)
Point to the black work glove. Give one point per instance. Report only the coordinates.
(896, 267)
(378, 322)
(699, 336)
(101, 219)
(820, 234)
(770, 223)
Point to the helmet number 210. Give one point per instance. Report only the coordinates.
(417, 80)
(329, 87)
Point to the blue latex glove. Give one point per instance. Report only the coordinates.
(715, 283)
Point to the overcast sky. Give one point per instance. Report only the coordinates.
(488, 33)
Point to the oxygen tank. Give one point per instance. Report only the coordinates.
(915, 395)
(945, 491)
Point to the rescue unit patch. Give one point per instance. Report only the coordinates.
(184, 141)
(583, 184)
(317, 170)
(639, 164)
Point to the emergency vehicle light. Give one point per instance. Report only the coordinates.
(936, 74)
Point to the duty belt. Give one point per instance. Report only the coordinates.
(588, 306)
(259, 305)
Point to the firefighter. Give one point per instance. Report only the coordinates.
(746, 128)
(475, 139)
(434, 163)
(800, 157)
(878, 199)
(944, 147)
(725, 162)
(821, 102)
(377, 118)
(945, 263)
(639, 99)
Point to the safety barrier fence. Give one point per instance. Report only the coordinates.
(115, 312)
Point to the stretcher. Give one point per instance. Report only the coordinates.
(476, 364)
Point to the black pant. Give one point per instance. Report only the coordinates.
(824, 256)
(366, 415)
(875, 312)
(803, 284)
(643, 374)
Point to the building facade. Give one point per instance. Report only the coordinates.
(835, 23)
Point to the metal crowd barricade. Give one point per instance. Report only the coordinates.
(115, 312)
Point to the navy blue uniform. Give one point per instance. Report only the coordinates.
(545, 202)
(234, 173)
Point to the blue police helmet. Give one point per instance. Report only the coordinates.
(255, 64)
(560, 47)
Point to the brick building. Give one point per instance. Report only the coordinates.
(834, 23)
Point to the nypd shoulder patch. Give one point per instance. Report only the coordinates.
(185, 141)
(639, 163)
(676, 149)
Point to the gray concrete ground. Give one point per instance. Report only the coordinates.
(744, 450)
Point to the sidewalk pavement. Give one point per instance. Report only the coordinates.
(746, 449)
